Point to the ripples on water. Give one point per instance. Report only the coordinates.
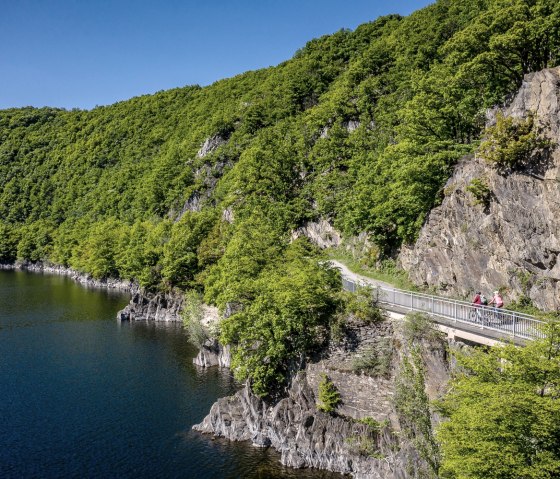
(84, 396)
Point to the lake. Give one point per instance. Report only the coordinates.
(84, 396)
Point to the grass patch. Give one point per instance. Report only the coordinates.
(387, 272)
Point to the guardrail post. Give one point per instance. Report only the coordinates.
(411, 301)
(432, 306)
(514, 324)
(454, 311)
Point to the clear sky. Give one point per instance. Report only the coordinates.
(83, 53)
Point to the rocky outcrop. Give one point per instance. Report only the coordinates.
(207, 175)
(320, 233)
(513, 241)
(210, 144)
(84, 279)
(212, 353)
(149, 306)
(307, 437)
(304, 436)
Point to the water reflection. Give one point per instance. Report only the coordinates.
(86, 396)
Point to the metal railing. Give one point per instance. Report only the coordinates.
(509, 323)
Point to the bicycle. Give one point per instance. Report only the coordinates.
(477, 314)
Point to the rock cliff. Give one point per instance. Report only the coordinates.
(212, 353)
(167, 306)
(343, 442)
(146, 305)
(512, 241)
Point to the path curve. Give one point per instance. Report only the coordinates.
(358, 278)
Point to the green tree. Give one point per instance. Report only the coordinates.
(512, 142)
(192, 316)
(286, 320)
(8, 243)
(504, 413)
(36, 241)
(328, 395)
(180, 263)
(97, 253)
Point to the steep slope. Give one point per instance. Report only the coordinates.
(510, 239)
(382, 427)
(201, 188)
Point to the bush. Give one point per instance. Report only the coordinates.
(329, 397)
(338, 327)
(375, 361)
(481, 191)
(364, 445)
(419, 326)
(362, 306)
(374, 423)
(192, 316)
(511, 141)
(413, 409)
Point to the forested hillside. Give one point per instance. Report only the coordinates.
(201, 187)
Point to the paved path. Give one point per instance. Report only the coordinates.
(455, 317)
(358, 278)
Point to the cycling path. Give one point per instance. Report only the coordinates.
(358, 278)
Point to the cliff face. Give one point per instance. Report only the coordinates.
(212, 353)
(146, 305)
(307, 437)
(514, 241)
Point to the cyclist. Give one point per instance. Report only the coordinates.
(498, 302)
(477, 303)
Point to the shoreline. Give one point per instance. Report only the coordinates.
(84, 279)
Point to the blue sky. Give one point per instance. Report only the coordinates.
(83, 53)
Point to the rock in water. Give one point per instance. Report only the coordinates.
(307, 437)
(147, 306)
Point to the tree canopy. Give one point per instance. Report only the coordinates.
(360, 127)
(504, 413)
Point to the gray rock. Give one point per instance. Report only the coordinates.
(232, 308)
(320, 233)
(513, 243)
(228, 215)
(351, 125)
(307, 437)
(210, 144)
(84, 279)
(148, 306)
(213, 353)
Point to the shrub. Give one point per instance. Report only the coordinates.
(364, 445)
(413, 409)
(192, 316)
(375, 361)
(481, 191)
(511, 141)
(374, 423)
(329, 397)
(418, 326)
(362, 306)
(338, 327)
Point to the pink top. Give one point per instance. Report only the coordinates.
(497, 300)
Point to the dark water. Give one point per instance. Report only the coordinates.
(84, 396)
